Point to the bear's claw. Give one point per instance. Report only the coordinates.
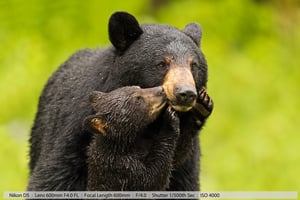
(205, 100)
(203, 107)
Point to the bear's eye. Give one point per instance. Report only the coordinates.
(139, 100)
(194, 65)
(162, 65)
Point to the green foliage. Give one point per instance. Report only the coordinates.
(252, 47)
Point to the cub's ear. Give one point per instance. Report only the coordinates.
(123, 29)
(95, 99)
(95, 124)
(194, 31)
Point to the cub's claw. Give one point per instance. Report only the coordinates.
(171, 113)
(172, 119)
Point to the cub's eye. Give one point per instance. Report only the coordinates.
(139, 100)
(162, 65)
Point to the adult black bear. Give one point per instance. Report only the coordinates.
(142, 55)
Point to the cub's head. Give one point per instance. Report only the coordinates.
(123, 111)
(150, 55)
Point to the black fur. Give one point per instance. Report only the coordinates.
(194, 31)
(58, 153)
(123, 30)
(117, 160)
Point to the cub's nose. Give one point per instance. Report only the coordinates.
(185, 95)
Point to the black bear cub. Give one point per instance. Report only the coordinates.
(117, 159)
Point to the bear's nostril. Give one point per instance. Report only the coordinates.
(185, 95)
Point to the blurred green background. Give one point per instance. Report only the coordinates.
(251, 141)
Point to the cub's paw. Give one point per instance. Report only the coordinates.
(171, 119)
(203, 107)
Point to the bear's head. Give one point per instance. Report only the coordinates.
(124, 111)
(153, 55)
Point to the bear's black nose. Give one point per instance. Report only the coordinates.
(185, 95)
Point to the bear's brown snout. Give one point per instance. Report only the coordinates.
(179, 86)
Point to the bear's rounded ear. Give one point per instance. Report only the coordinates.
(95, 97)
(123, 29)
(194, 31)
(94, 124)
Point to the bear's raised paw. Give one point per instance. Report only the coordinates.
(203, 107)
